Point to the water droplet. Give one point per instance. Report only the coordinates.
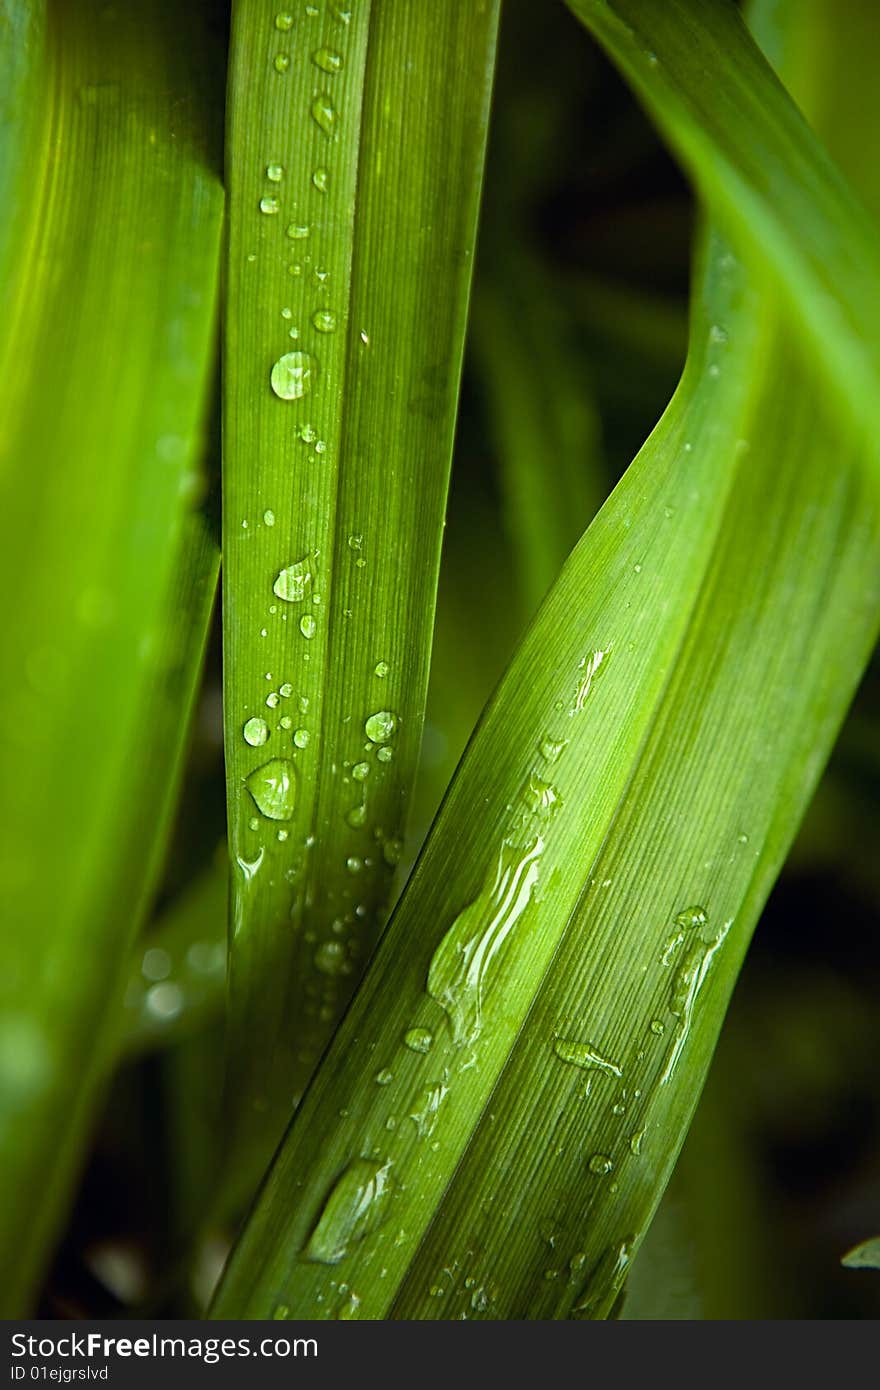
(552, 747)
(285, 690)
(635, 1142)
(384, 1077)
(365, 338)
(286, 722)
(357, 816)
(604, 1284)
(284, 21)
(357, 1205)
(281, 1311)
(273, 787)
(584, 1055)
(360, 772)
(274, 173)
(380, 726)
(354, 864)
(692, 917)
(328, 60)
(349, 1309)
(689, 980)
(324, 321)
(281, 63)
(256, 732)
(303, 704)
(600, 1164)
(307, 626)
(273, 699)
(164, 1001)
(385, 755)
(291, 376)
(425, 1118)
(156, 964)
(320, 179)
(323, 113)
(591, 665)
(461, 965)
(268, 518)
(291, 582)
(657, 1027)
(269, 204)
(391, 852)
(418, 1040)
(355, 541)
(330, 958)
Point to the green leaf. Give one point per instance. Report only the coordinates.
(863, 1256)
(523, 1058)
(760, 169)
(110, 269)
(355, 157)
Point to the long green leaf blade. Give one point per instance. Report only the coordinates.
(107, 346)
(356, 148)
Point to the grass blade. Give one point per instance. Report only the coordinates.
(356, 149)
(534, 1029)
(757, 164)
(114, 250)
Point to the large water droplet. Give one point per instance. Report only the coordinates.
(291, 376)
(324, 321)
(328, 60)
(301, 738)
(461, 964)
(357, 1205)
(418, 1040)
(292, 582)
(256, 732)
(269, 205)
(274, 173)
(380, 726)
(324, 113)
(689, 979)
(584, 1055)
(273, 787)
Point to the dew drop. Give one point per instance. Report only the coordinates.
(692, 917)
(307, 626)
(274, 173)
(291, 376)
(285, 690)
(324, 113)
(269, 204)
(320, 179)
(268, 518)
(384, 1077)
(385, 755)
(357, 1204)
(600, 1164)
(324, 321)
(360, 772)
(551, 748)
(380, 726)
(330, 958)
(273, 699)
(353, 864)
(328, 60)
(418, 1040)
(256, 732)
(584, 1055)
(391, 852)
(284, 21)
(462, 964)
(357, 816)
(381, 669)
(281, 63)
(273, 788)
(301, 738)
(291, 582)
